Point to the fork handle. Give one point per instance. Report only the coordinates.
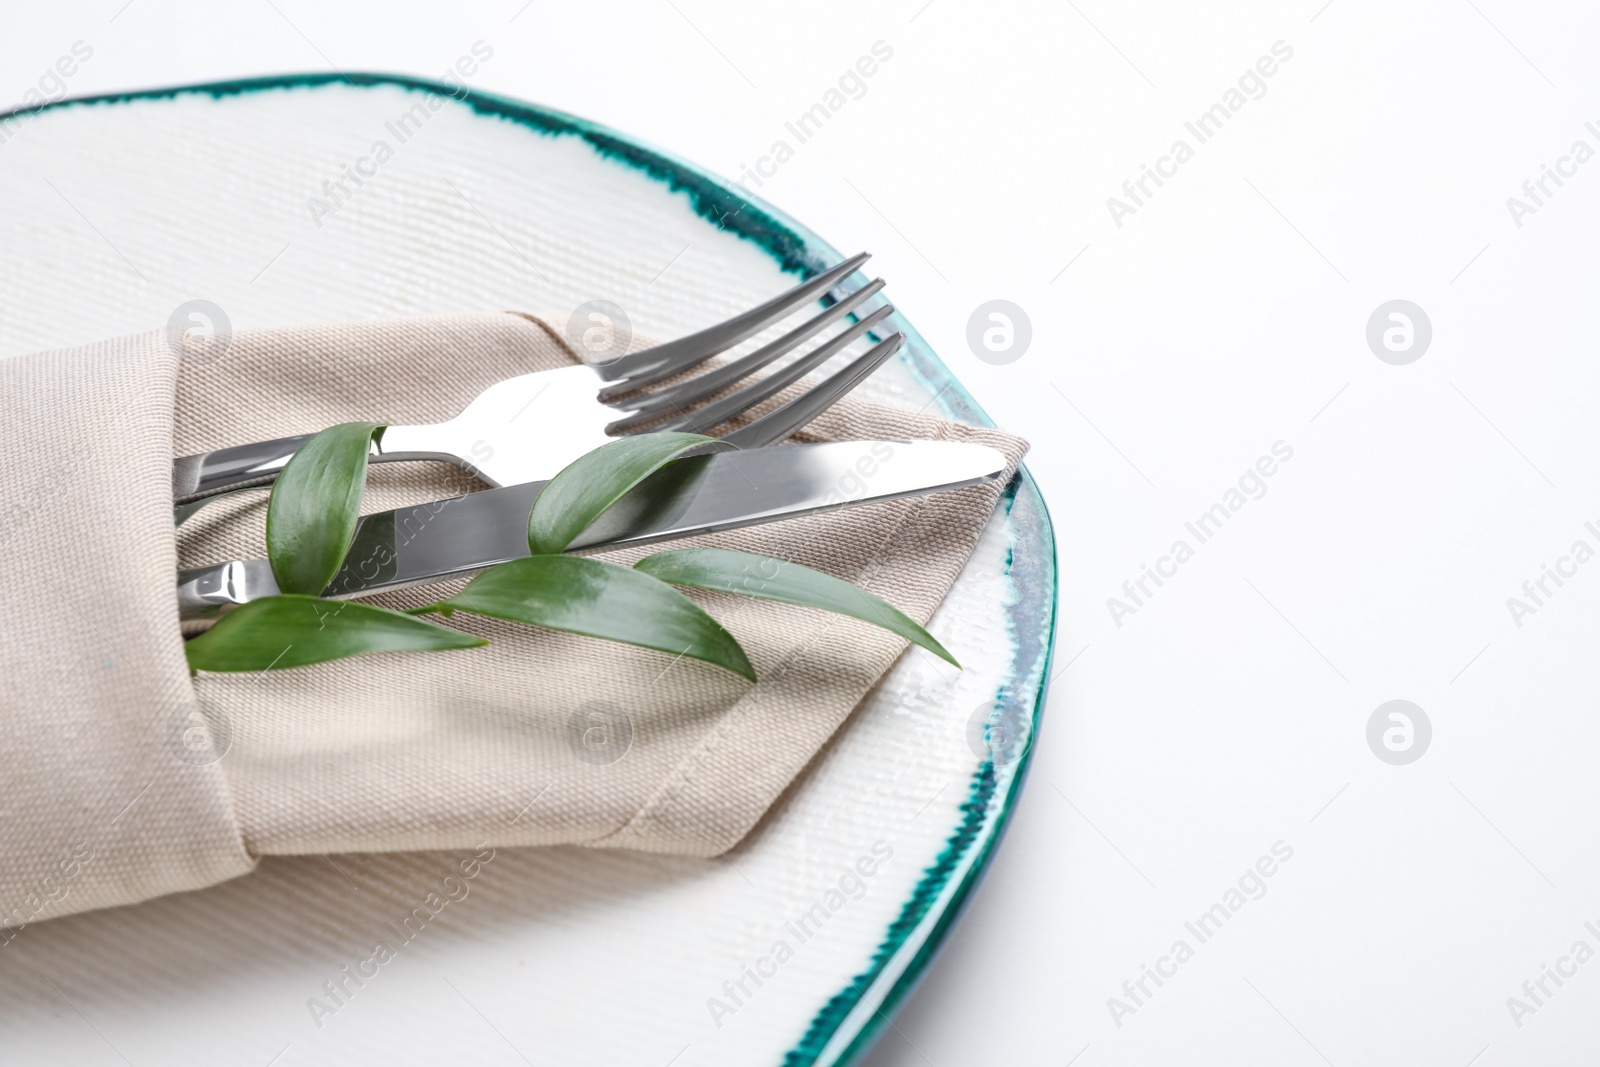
(198, 480)
(241, 467)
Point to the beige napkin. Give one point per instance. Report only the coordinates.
(125, 779)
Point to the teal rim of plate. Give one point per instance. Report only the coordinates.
(915, 936)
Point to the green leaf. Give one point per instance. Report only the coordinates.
(593, 482)
(599, 599)
(770, 579)
(276, 632)
(316, 500)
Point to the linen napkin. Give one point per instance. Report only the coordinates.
(126, 778)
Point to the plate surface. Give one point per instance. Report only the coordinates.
(269, 199)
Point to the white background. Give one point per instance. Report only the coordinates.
(1168, 354)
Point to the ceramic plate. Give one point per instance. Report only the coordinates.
(272, 200)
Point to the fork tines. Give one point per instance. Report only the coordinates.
(674, 357)
(668, 408)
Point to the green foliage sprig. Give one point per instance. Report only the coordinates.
(311, 522)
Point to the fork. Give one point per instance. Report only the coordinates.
(491, 440)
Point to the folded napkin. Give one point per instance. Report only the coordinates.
(125, 778)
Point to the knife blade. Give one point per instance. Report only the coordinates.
(722, 491)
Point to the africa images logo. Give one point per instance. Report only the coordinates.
(1251, 85)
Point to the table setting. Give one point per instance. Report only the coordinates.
(652, 684)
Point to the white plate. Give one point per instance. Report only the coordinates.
(118, 211)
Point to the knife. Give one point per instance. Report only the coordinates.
(703, 494)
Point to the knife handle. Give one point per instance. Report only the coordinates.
(209, 591)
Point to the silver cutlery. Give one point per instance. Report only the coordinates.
(531, 426)
(702, 494)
